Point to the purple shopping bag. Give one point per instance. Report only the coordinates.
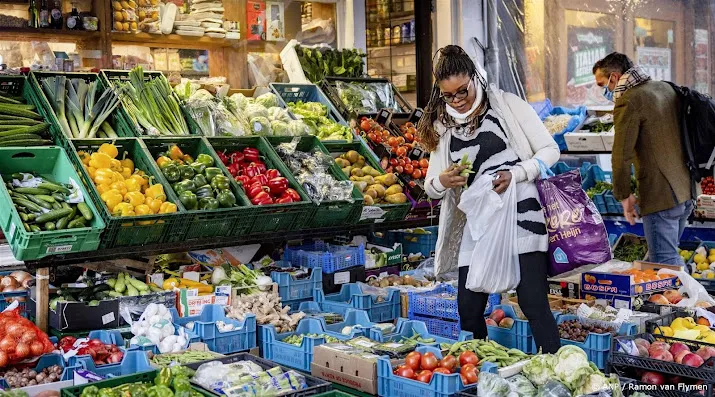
(577, 235)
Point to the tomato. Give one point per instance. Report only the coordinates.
(470, 372)
(409, 168)
(378, 139)
(413, 360)
(417, 173)
(401, 151)
(393, 162)
(465, 381)
(403, 128)
(415, 163)
(405, 372)
(385, 134)
(392, 141)
(441, 370)
(371, 136)
(424, 163)
(409, 124)
(401, 140)
(365, 125)
(412, 130)
(399, 169)
(468, 358)
(429, 361)
(401, 162)
(424, 376)
(448, 363)
(409, 137)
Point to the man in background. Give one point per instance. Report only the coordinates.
(648, 136)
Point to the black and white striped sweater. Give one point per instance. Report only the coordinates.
(489, 151)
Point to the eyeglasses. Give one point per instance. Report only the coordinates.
(458, 96)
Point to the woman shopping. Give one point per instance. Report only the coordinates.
(504, 140)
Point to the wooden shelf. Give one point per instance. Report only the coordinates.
(172, 40)
(387, 47)
(49, 35)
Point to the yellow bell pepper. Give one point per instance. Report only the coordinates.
(175, 153)
(100, 160)
(160, 161)
(103, 188)
(91, 171)
(143, 209)
(112, 198)
(115, 165)
(120, 187)
(127, 163)
(170, 283)
(124, 209)
(84, 157)
(134, 198)
(167, 208)
(141, 180)
(132, 185)
(154, 204)
(156, 191)
(126, 173)
(104, 176)
(118, 176)
(109, 149)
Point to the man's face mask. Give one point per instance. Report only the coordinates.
(607, 92)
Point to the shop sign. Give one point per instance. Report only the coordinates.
(656, 62)
(585, 47)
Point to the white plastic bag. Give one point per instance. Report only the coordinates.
(696, 292)
(491, 218)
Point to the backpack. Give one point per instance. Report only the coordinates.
(697, 127)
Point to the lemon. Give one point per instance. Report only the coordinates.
(697, 275)
(711, 251)
(710, 338)
(665, 331)
(702, 266)
(699, 258)
(711, 276)
(703, 329)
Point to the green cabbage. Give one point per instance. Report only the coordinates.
(521, 385)
(540, 369)
(240, 100)
(260, 126)
(268, 100)
(255, 110)
(572, 366)
(276, 113)
(493, 385)
(280, 128)
(597, 382)
(298, 128)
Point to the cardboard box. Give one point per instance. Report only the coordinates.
(610, 286)
(608, 137)
(382, 272)
(584, 141)
(190, 303)
(344, 365)
(394, 255)
(568, 285)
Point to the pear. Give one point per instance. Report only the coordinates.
(394, 189)
(398, 198)
(352, 156)
(387, 179)
(379, 189)
(357, 172)
(347, 171)
(367, 170)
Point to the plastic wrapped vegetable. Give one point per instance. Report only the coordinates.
(240, 101)
(276, 113)
(357, 99)
(254, 110)
(260, 126)
(298, 128)
(553, 388)
(521, 385)
(267, 100)
(280, 128)
(597, 382)
(492, 385)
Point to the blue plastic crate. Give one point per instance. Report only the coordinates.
(295, 304)
(330, 258)
(413, 243)
(441, 302)
(6, 298)
(562, 167)
(294, 92)
(519, 336)
(299, 357)
(449, 329)
(407, 328)
(134, 361)
(291, 289)
(352, 297)
(542, 108)
(108, 337)
(241, 338)
(441, 385)
(579, 116)
(357, 319)
(48, 360)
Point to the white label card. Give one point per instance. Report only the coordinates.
(372, 212)
(341, 278)
(107, 318)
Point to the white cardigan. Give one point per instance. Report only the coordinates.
(526, 135)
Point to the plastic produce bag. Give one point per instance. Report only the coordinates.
(522, 386)
(577, 235)
(21, 339)
(492, 385)
(554, 388)
(491, 219)
(357, 99)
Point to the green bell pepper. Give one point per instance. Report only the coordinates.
(226, 199)
(220, 182)
(208, 203)
(159, 391)
(189, 200)
(90, 391)
(185, 186)
(138, 390)
(200, 180)
(171, 172)
(204, 191)
(163, 378)
(198, 167)
(211, 172)
(205, 159)
(182, 387)
(186, 171)
(107, 393)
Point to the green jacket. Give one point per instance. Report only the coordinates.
(648, 136)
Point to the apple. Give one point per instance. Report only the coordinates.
(706, 352)
(661, 354)
(681, 355)
(677, 347)
(497, 315)
(659, 299)
(642, 351)
(652, 378)
(643, 342)
(490, 322)
(506, 322)
(659, 344)
(673, 296)
(692, 360)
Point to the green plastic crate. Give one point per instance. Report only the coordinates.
(141, 377)
(134, 230)
(334, 393)
(51, 162)
(328, 213)
(45, 108)
(19, 86)
(274, 217)
(222, 222)
(389, 212)
(111, 77)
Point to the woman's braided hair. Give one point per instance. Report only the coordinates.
(453, 61)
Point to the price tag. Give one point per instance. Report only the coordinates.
(157, 278)
(59, 249)
(341, 278)
(372, 212)
(366, 103)
(192, 292)
(107, 318)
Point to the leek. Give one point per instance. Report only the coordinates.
(75, 112)
(101, 110)
(54, 88)
(108, 130)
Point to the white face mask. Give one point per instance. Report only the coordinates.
(463, 116)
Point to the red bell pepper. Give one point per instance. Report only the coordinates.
(251, 171)
(261, 166)
(293, 194)
(223, 157)
(234, 169)
(262, 179)
(262, 198)
(251, 154)
(242, 179)
(236, 157)
(272, 173)
(278, 185)
(255, 189)
(284, 200)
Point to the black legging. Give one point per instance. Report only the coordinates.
(533, 301)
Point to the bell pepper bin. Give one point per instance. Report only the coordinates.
(160, 225)
(328, 212)
(216, 209)
(275, 197)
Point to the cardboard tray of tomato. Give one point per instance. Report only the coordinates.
(412, 376)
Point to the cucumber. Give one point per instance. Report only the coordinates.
(58, 197)
(17, 123)
(50, 226)
(120, 286)
(40, 202)
(155, 288)
(53, 215)
(26, 142)
(56, 206)
(77, 223)
(62, 223)
(12, 110)
(53, 187)
(35, 228)
(46, 198)
(26, 129)
(29, 205)
(111, 282)
(18, 137)
(31, 190)
(85, 211)
(24, 217)
(27, 227)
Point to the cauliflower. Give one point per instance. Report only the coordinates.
(572, 366)
(540, 369)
